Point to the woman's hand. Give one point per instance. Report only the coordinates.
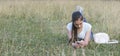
(79, 44)
(76, 45)
(83, 43)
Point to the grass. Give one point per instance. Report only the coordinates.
(38, 28)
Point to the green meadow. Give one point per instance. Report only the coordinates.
(38, 28)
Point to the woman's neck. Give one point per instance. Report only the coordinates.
(79, 29)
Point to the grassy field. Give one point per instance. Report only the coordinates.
(38, 28)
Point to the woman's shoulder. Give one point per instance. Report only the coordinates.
(70, 23)
(87, 26)
(69, 26)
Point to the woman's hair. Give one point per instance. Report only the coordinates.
(75, 16)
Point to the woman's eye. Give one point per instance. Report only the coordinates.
(77, 24)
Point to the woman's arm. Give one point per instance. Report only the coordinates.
(69, 35)
(86, 40)
(87, 37)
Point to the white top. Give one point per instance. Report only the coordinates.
(86, 27)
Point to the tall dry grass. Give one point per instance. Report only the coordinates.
(38, 28)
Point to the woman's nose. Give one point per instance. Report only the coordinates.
(79, 26)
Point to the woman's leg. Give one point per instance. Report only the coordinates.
(84, 20)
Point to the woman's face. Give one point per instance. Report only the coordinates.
(78, 23)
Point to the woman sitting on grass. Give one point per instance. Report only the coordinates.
(79, 32)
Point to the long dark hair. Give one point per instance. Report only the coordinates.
(75, 16)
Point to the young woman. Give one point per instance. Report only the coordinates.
(79, 32)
